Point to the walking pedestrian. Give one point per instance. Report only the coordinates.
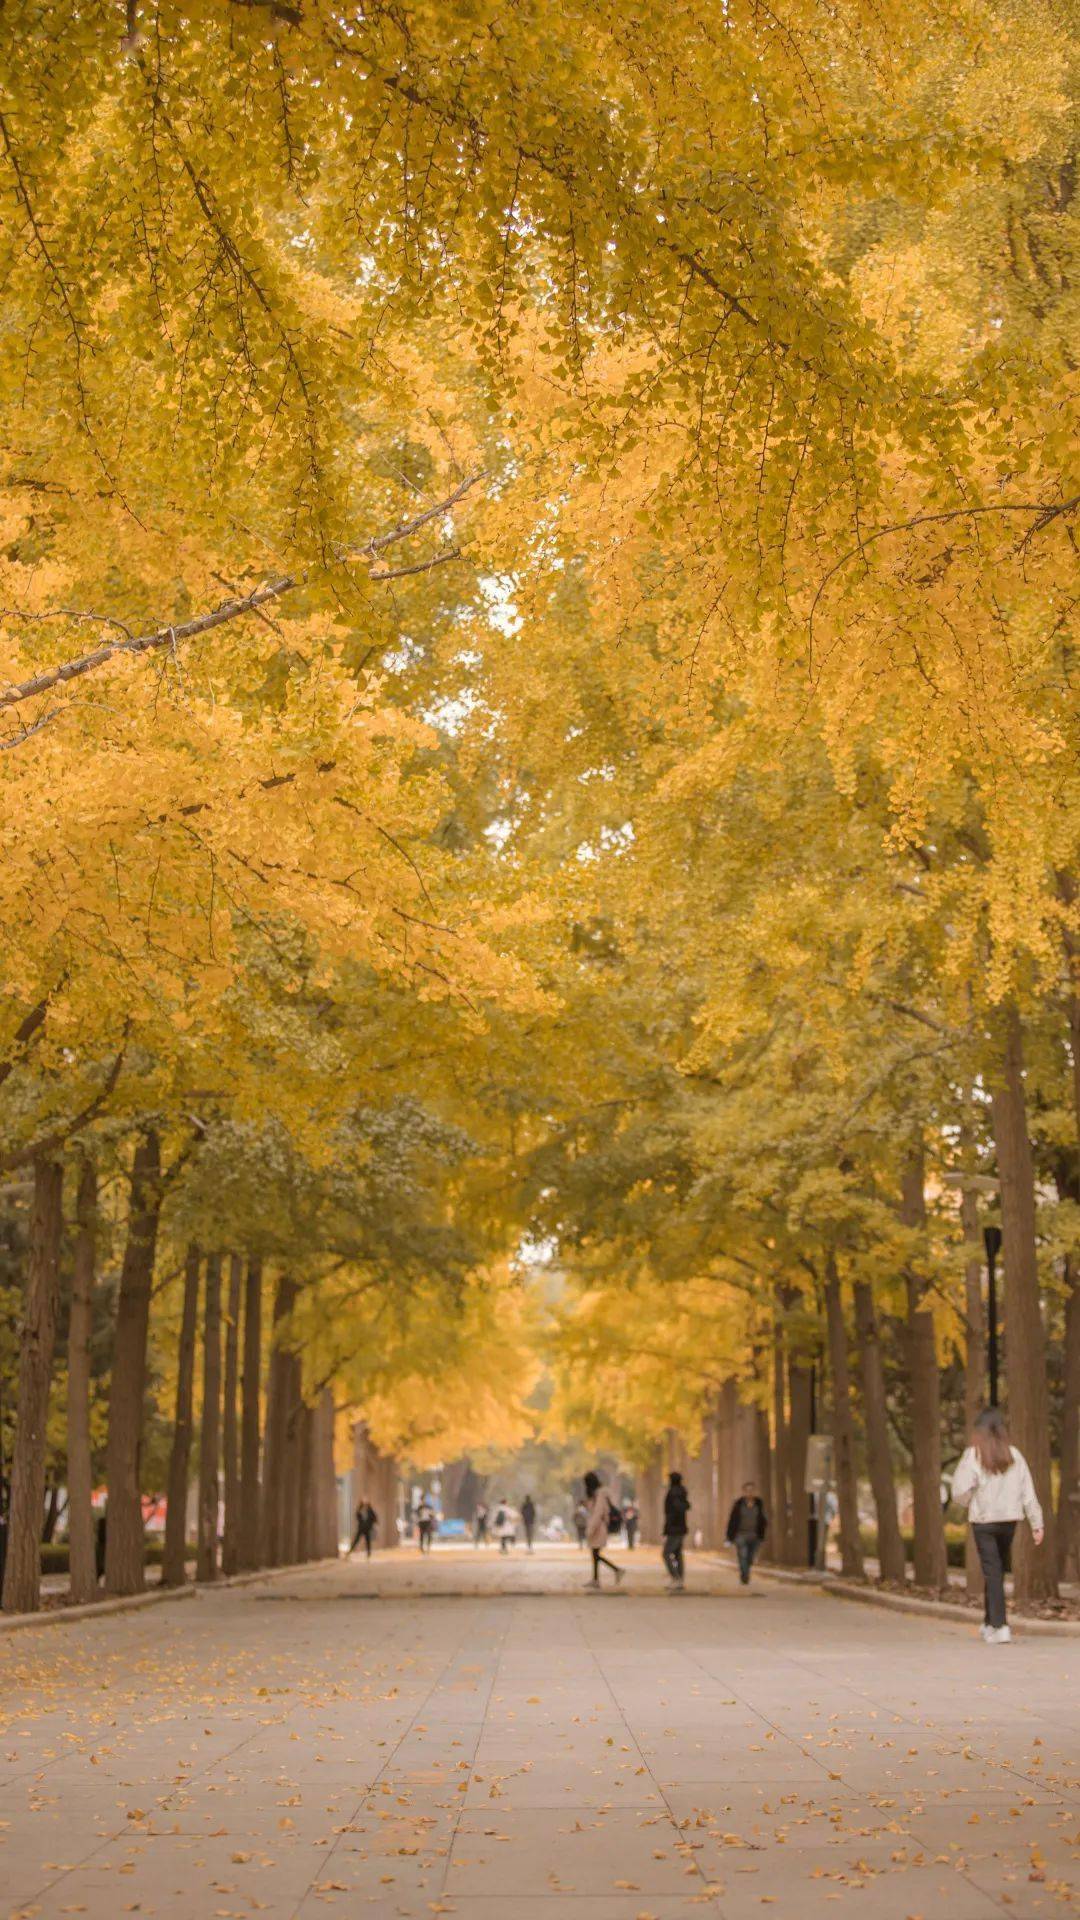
(993, 1481)
(528, 1520)
(366, 1522)
(676, 1508)
(630, 1517)
(425, 1523)
(601, 1513)
(480, 1525)
(746, 1528)
(581, 1522)
(505, 1526)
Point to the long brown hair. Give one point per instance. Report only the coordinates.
(990, 1439)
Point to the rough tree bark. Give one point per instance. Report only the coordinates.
(249, 1540)
(843, 1425)
(878, 1456)
(37, 1339)
(799, 1398)
(974, 1358)
(174, 1563)
(206, 1559)
(230, 1549)
(930, 1556)
(1069, 1494)
(1025, 1338)
(292, 1464)
(781, 1521)
(124, 1532)
(82, 1566)
(277, 1402)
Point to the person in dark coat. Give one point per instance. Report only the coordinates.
(630, 1518)
(366, 1522)
(746, 1528)
(676, 1508)
(528, 1519)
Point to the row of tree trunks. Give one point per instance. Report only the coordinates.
(924, 1380)
(206, 1556)
(230, 1457)
(124, 1536)
(891, 1560)
(843, 1425)
(22, 1571)
(249, 1527)
(82, 1560)
(174, 1563)
(1069, 1491)
(1025, 1340)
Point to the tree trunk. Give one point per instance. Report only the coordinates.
(974, 1359)
(1069, 1495)
(799, 1397)
(277, 1405)
(206, 1561)
(843, 1426)
(1025, 1338)
(878, 1456)
(328, 1543)
(930, 1556)
(124, 1518)
(249, 1531)
(781, 1521)
(37, 1339)
(307, 1512)
(82, 1565)
(230, 1554)
(292, 1469)
(174, 1563)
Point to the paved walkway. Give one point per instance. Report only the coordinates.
(330, 1742)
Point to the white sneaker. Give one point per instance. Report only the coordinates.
(985, 1632)
(1001, 1635)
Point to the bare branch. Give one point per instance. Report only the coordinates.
(232, 609)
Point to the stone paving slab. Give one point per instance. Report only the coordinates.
(526, 1751)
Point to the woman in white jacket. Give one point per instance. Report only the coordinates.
(993, 1481)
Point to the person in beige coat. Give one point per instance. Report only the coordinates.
(599, 1505)
(993, 1481)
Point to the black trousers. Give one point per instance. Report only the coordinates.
(673, 1554)
(364, 1534)
(600, 1559)
(993, 1544)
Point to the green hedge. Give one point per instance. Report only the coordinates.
(954, 1543)
(55, 1557)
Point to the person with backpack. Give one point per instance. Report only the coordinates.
(630, 1522)
(676, 1508)
(602, 1518)
(528, 1519)
(746, 1528)
(993, 1481)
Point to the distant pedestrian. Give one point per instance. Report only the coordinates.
(630, 1518)
(528, 1519)
(676, 1508)
(993, 1481)
(505, 1526)
(603, 1518)
(746, 1528)
(480, 1525)
(366, 1522)
(425, 1523)
(581, 1522)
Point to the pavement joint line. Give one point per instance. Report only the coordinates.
(372, 1784)
(463, 1798)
